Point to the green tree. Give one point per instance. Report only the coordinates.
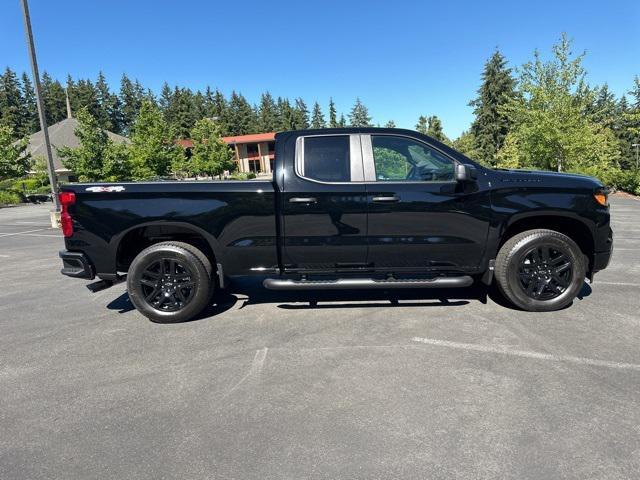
(333, 121)
(359, 116)
(97, 158)
(423, 125)
(342, 123)
(301, 115)
(434, 129)
(29, 107)
(14, 160)
(54, 99)
(109, 113)
(267, 114)
(317, 118)
(153, 150)
(552, 128)
(286, 115)
(181, 114)
(390, 124)
(466, 144)
(11, 102)
(210, 155)
(241, 119)
(131, 96)
(492, 123)
(83, 94)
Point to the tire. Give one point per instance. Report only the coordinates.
(170, 282)
(540, 270)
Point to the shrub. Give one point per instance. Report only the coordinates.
(242, 176)
(9, 198)
(30, 184)
(629, 181)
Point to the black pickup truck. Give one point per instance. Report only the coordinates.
(354, 208)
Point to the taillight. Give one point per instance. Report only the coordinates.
(66, 199)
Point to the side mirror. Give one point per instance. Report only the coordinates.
(466, 173)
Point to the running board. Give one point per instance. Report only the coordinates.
(365, 283)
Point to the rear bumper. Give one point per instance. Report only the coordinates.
(76, 265)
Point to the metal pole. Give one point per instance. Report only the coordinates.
(41, 111)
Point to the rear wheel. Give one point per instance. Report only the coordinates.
(540, 270)
(170, 282)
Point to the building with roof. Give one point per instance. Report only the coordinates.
(254, 153)
(62, 134)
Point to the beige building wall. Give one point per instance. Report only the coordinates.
(243, 164)
(263, 151)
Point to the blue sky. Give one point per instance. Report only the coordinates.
(403, 59)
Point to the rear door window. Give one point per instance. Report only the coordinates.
(326, 158)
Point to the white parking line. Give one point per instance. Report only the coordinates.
(21, 233)
(41, 235)
(624, 284)
(501, 350)
(254, 369)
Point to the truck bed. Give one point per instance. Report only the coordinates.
(236, 218)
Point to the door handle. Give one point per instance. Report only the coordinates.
(303, 200)
(391, 199)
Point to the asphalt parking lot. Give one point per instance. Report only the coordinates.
(265, 385)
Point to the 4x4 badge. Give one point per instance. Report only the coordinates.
(105, 189)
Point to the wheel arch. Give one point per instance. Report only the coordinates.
(572, 226)
(132, 241)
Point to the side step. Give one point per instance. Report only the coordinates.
(364, 283)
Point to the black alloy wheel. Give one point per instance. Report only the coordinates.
(540, 270)
(545, 272)
(170, 282)
(167, 284)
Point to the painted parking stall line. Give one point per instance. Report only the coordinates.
(501, 350)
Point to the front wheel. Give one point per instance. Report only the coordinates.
(540, 270)
(170, 282)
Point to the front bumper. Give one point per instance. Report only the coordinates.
(76, 265)
(601, 260)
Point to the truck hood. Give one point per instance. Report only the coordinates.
(542, 178)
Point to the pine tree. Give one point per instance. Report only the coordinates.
(359, 116)
(422, 126)
(317, 119)
(242, 119)
(181, 113)
(166, 97)
(29, 107)
(286, 114)
(492, 123)
(635, 93)
(54, 99)
(109, 116)
(267, 117)
(333, 122)
(301, 113)
(131, 96)
(434, 130)
(342, 123)
(11, 102)
(84, 94)
(390, 124)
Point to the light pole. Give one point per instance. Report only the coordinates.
(636, 146)
(41, 112)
